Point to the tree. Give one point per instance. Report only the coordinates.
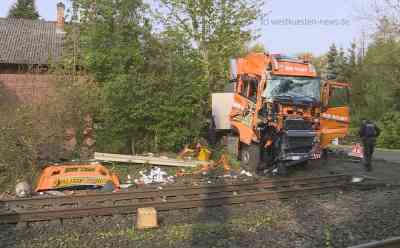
(219, 29)
(320, 64)
(342, 66)
(386, 30)
(332, 56)
(152, 88)
(257, 48)
(24, 9)
(352, 51)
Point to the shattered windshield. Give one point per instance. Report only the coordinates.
(296, 87)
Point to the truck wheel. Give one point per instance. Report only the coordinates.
(282, 170)
(232, 145)
(324, 154)
(250, 156)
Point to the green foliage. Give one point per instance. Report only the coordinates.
(32, 134)
(328, 237)
(374, 79)
(24, 9)
(390, 134)
(219, 29)
(257, 48)
(154, 88)
(376, 86)
(24, 129)
(332, 58)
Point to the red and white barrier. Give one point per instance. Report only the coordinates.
(357, 151)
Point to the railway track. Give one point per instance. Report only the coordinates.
(388, 243)
(163, 199)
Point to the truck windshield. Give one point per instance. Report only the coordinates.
(299, 87)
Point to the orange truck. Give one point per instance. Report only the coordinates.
(280, 112)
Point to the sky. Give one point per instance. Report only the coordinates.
(287, 26)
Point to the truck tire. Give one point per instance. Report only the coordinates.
(282, 170)
(250, 156)
(232, 145)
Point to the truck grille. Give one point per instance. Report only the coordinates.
(299, 144)
(297, 124)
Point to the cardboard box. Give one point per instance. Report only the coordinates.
(146, 218)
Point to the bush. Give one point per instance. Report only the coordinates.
(32, 134)
(23, 132)
(390, 130)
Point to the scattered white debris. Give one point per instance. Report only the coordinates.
(23, 189)
(357, 179)
(129, 179)
(243, 172)
(125, 185)
(155, 175)
(55, 193)
(230, 174)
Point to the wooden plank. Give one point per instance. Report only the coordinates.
(145, 160)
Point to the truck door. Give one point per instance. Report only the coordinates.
(243, 109)
(335, 114)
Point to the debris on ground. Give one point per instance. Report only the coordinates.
(76, 175)
(186, 153)
(204, 154)
(151, 160)
(357, 179)
(146, 218)
(128, 183)
(56, 193)
(246, 173)
(23, 189)
(208, 167)
(200, 152)
(154, 175)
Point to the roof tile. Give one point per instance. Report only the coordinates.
(30, 42)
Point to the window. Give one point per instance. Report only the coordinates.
(249, 89)
(304, 88)
(253, 90)
(338, 97)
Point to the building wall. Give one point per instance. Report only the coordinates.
(27, 87)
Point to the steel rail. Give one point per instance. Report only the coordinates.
(201, 200)
(388, 243)
(157, 193)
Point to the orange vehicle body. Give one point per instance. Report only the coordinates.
(272, 93)
(70, 176)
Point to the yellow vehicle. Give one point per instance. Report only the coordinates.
(76, 176)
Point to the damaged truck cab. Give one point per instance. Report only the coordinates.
(280, 112)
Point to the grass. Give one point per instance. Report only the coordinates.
(209, 234)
